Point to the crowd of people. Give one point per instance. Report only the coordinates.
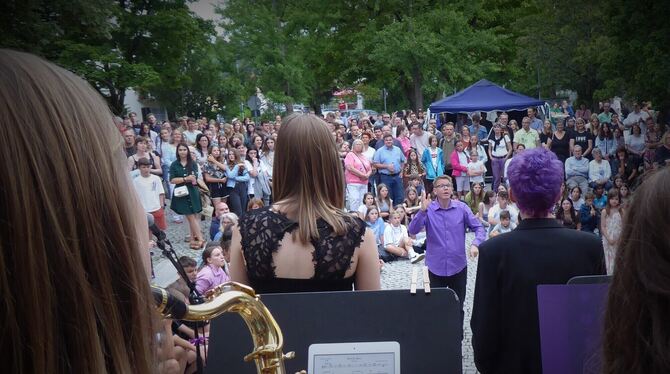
(73, 249)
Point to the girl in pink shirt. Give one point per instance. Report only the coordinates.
(213, 271)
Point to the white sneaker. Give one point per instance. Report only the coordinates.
(417, 257)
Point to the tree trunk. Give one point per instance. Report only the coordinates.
(417, 83)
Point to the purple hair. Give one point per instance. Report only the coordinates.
(535, 177)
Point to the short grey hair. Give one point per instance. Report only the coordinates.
(577, 146)
(597, 151)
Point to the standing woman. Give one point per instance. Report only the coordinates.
(635, 145)
(260, 175)
(357, 170)
(546, 134)
(236, 172)
(202, 145)
(184, 175)
(433, 163)
(214, 174)
(403, 138)
(142, 151)
(500, 149)
(605, 142)
(305, 241)
(267, 155)
(610, 228)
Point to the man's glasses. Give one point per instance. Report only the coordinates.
(442, 187)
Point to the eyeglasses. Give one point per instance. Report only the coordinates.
(442, 187)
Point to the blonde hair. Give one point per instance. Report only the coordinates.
(308, 175)
(70, 265)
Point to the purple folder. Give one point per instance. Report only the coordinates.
(571, 320)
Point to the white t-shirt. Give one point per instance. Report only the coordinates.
(190, 136)
(419, 142)
(433, 157)
(393, 235)
(369, 153)
(477, 166)
(501, 149)
(636, 142)
(149, 190)
(495, 210)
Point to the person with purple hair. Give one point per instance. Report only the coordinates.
(505, 321)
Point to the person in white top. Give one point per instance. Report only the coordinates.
(398, 242)
(635, 116)
(192, 132)
(419, 138)
(599, 171)
(150, 191)
(503, 204)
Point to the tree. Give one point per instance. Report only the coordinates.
(421, 48)
(115, 45)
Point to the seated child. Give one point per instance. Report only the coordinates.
(599, 198)
(397, 242)
(214, 266)
(505, 225)
(589, 214)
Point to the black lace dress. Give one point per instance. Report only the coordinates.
(263, 229)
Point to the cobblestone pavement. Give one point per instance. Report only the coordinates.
(395, 275)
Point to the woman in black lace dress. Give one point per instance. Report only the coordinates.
(305, 241)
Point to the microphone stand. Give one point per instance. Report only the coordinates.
(194, 296)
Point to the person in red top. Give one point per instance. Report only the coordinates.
(459, 164)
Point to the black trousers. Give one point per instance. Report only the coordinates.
(456, 282)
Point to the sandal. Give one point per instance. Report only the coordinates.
(195, 244)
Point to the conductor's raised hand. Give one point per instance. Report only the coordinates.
(425, 201)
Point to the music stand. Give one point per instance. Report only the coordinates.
(427, 327)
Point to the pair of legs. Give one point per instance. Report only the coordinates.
(404, 249)
(582, 182)
(462, 186)
(456, 282)
(394, 184)
(498, 166)
(194, 228)
(355, 194)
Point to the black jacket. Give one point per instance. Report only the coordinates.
(505, 323)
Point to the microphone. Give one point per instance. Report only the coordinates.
(168, 305)
(158, 233)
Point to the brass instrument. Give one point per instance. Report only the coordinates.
(241, 299)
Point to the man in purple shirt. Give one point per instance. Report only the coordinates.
(445, 221)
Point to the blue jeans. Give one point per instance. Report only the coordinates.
(396, 191)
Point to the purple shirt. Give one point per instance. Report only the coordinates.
(210, 277)
(445, 235)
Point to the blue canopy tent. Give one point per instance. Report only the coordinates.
(484, 96)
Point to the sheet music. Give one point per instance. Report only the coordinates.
(354, 363)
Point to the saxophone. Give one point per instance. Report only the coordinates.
(241, 299)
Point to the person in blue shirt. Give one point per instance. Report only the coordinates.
(599, 199)
(389, 161)
(477, 129)
(236, 173)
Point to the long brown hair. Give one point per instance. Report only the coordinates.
(308, 175)
(75, 289)
(637, 327)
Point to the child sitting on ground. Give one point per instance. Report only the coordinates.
(213, 271)
(505, 225)
(589, 214)
(397, 242)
